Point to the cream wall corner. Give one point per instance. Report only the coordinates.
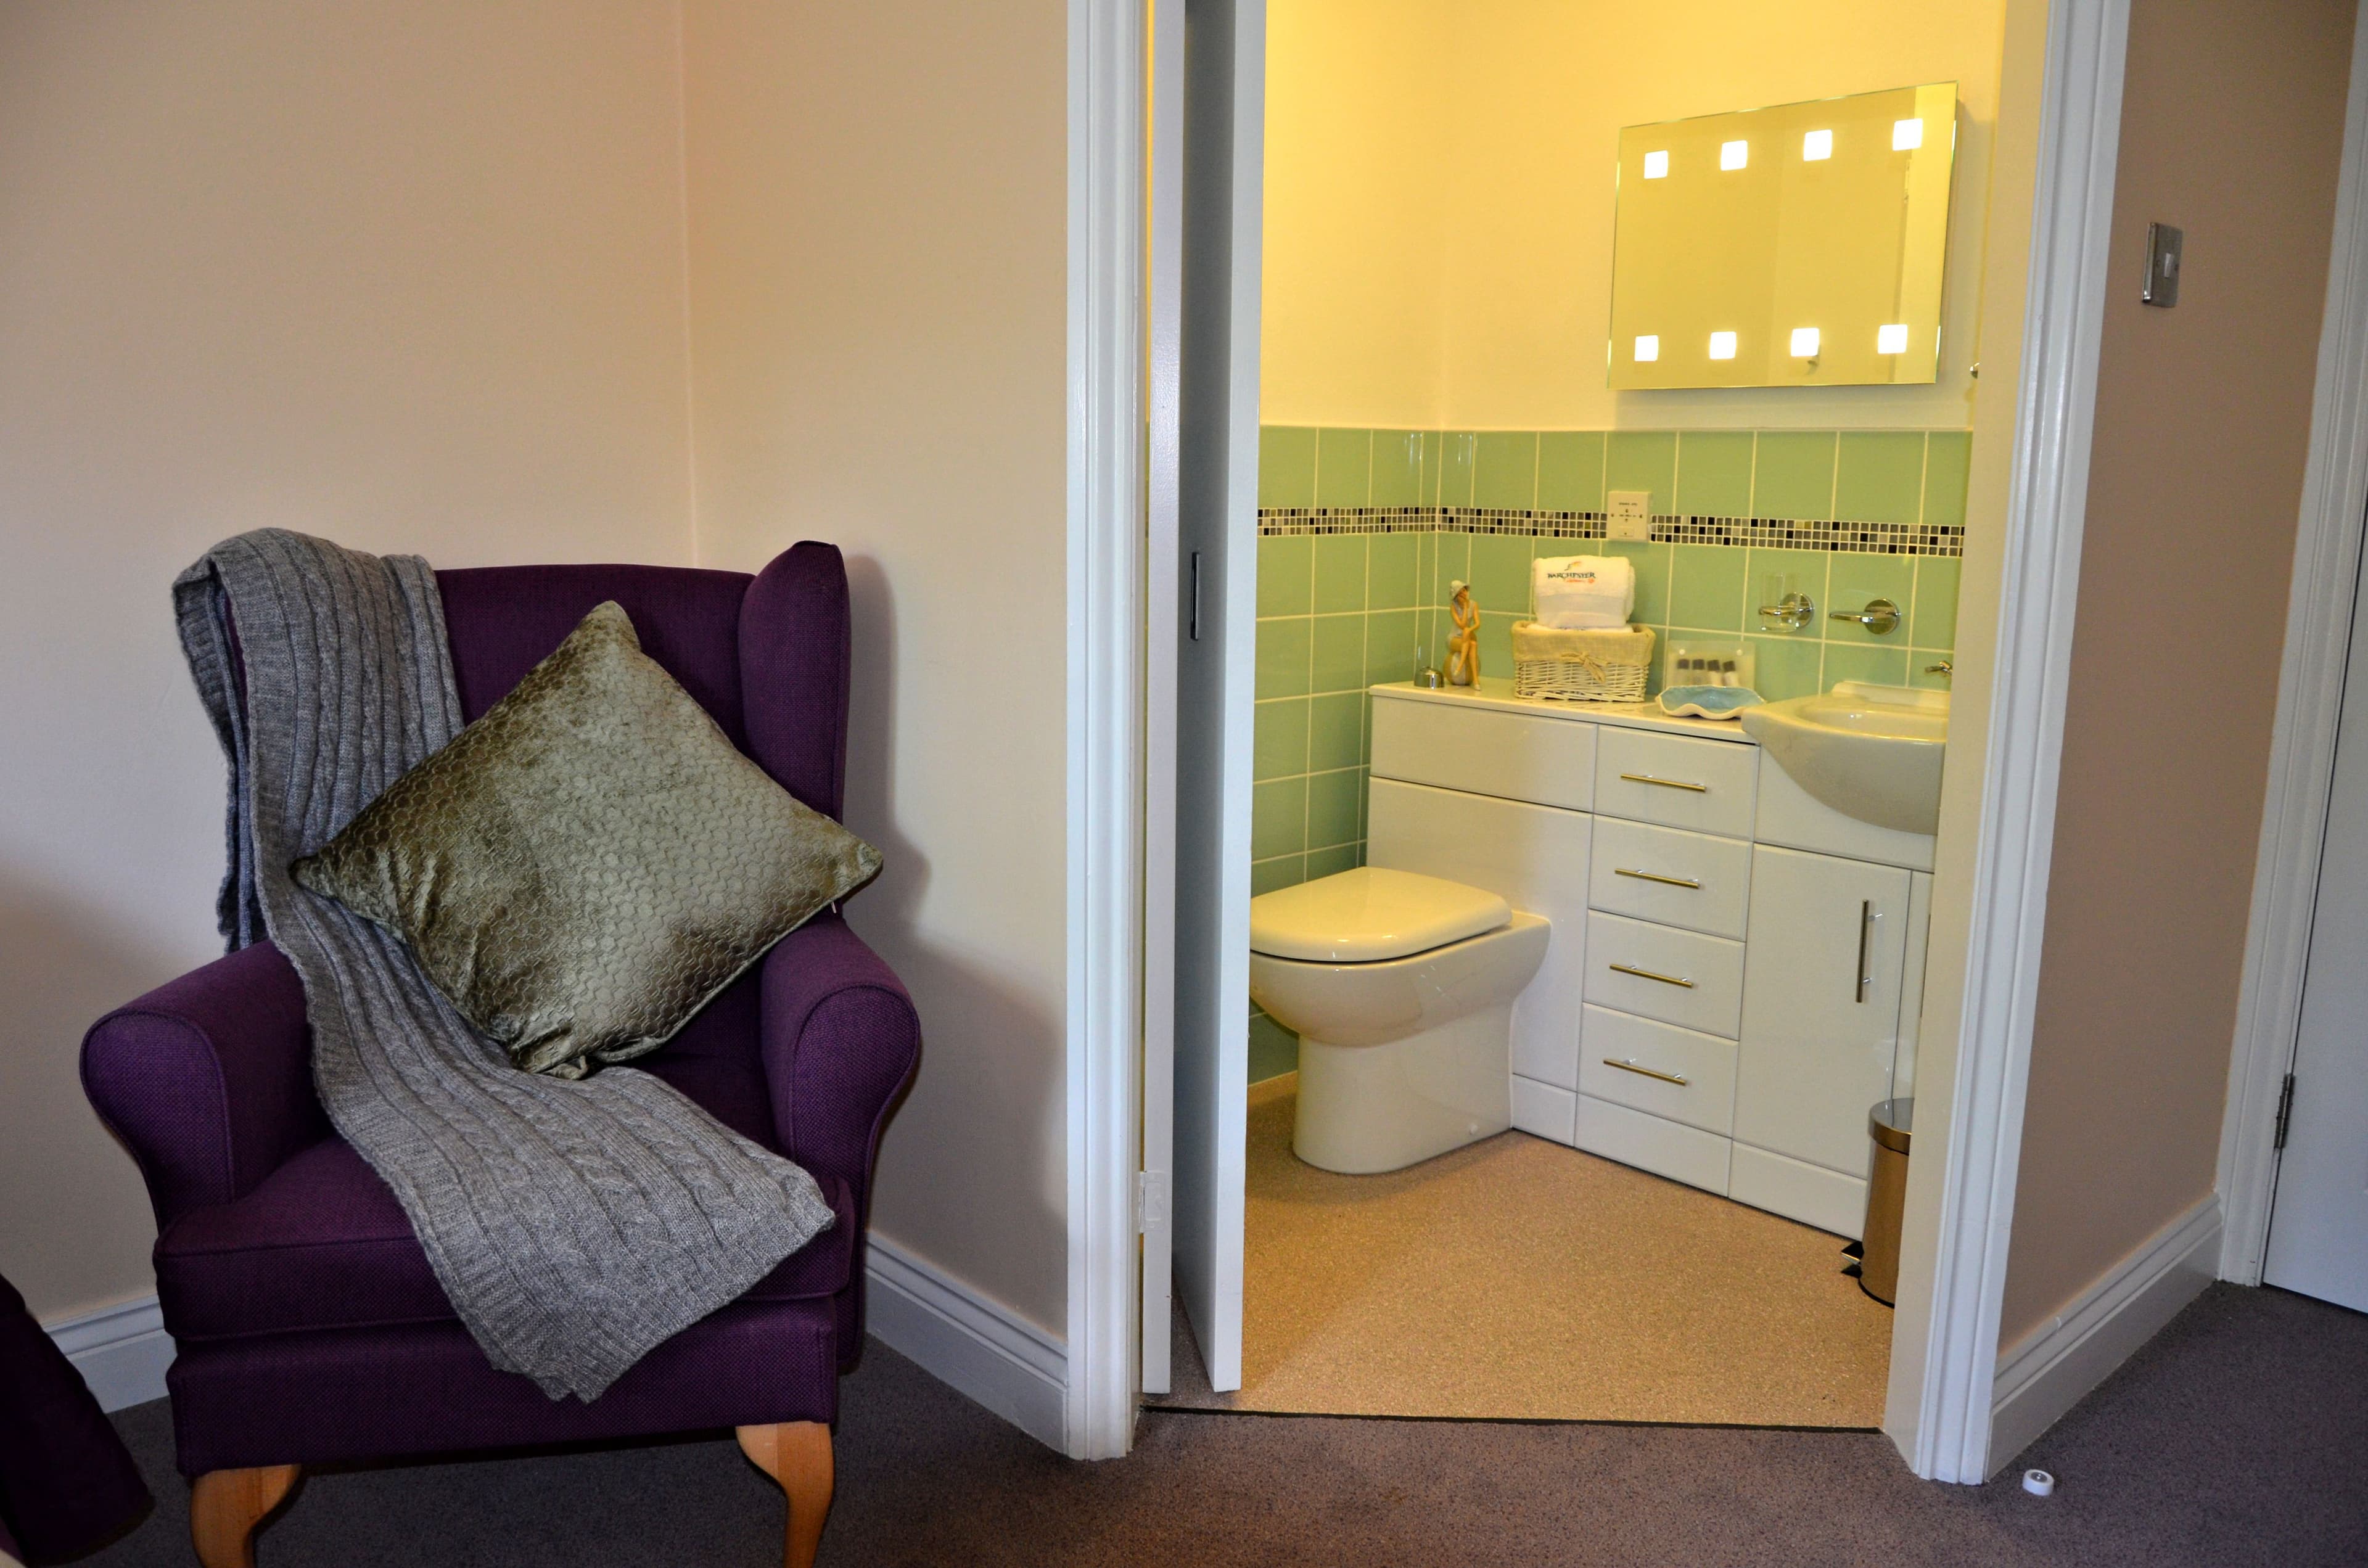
(877, 199)
(408, 276)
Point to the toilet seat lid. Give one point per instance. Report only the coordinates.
(1370, 914)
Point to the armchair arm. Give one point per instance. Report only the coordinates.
(840, 1038)
(209, 1079)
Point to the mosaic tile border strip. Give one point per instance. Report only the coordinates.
(1784, 533)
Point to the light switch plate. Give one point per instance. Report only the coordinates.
(1630, 513)
(2164, 247)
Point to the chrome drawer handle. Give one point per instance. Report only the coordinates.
(1666, 783)
(1647, 1072)
(1656, 877)
(1649, 974)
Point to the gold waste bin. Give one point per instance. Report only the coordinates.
(1887, 1199)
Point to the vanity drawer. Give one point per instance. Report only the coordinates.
(1669, 875)
(1546, 761)
(1631, 1060)
(1675, 780)
(1679, 977)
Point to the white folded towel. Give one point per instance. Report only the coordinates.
(1578, 593)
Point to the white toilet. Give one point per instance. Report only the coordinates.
(1401, 988)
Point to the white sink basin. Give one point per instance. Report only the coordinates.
(1871, 752)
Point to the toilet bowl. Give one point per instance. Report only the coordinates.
(1401, 988)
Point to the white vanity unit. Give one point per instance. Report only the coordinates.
(1736, 969)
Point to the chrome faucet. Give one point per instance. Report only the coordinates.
(1880, 617)
(1796, 610)
(1943, 669)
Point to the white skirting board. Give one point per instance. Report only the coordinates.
(121, 1351)
(970, 1342)
(2058, 1363)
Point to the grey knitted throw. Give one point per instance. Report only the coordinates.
(573, 1225)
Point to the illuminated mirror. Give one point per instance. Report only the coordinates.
(1799, 245)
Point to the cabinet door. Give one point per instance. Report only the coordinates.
(1532, 857)
(1826, 945)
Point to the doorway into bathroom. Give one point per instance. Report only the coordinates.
(1663, 1223)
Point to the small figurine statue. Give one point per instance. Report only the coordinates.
(1463, 647)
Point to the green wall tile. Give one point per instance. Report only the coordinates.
(1278, 817)
(1948, 456)
(1278, 747)
(1339, 573)
(1285, 569)
(1338, 859)
(1785, 667)
(1340, 654)
(1397, 467)
(1450, 559)
(1852, 661)
(1570, 470)
(1879, 477)
(1287, 871)
(1286, 465)
(1504, 469)
(1453, 449)
(1344, 468)
(1390, 636)
(1653, 568)
(1801, 571)
(1643, 460)
(1714, 473)
(1282, 651)
(1335, 732)
(1496, 645)
(1392, 562)
(1934, 623)
(1274, 1050)
(1332, 807)
(1500, 572)
(1706, 587)
(1854, 580)
(1793, 475)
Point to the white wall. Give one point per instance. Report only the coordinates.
(410, 276)
(879, 288)
(1439, 197)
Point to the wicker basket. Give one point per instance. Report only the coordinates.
(1581, 667)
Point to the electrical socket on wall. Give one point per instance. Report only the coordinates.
(1629, 514)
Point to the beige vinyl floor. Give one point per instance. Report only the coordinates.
(1518, 1278)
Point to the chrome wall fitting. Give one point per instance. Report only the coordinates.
(1880, 617)
(1794, 611)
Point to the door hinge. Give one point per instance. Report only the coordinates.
(1150, 1201)
(2286, 1111)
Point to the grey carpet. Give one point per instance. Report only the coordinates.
(2238, 1436)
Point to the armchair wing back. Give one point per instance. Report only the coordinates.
(308, 1326)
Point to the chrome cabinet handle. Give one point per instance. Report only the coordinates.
(1649, 974)
(1656, 877)
(1647, 1072)
(1865, 927)
(1666, 783)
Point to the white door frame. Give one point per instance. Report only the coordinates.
(1954, 1315)
(2310, 700)
(1104, 775)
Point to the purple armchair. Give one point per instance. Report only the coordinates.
(309, 1327)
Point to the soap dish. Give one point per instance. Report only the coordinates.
(1708, 701)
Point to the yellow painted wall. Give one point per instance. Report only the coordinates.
(1440, 196)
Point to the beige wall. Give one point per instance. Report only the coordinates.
(1440, 196)
(2231, 129)
(879, 285)
(407, 275)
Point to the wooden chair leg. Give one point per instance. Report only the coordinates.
(797, 1455)
(226, 1504)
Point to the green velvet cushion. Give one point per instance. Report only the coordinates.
(591, 861)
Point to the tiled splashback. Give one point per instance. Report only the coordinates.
(1361, 532)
